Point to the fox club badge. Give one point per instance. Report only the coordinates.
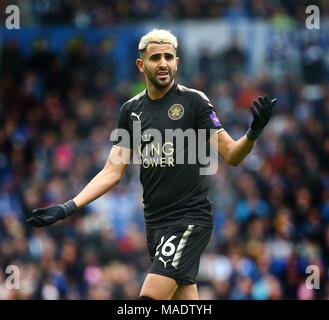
(176, 111)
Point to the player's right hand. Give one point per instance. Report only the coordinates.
(46, 216)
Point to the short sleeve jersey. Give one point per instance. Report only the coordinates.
(174, 191)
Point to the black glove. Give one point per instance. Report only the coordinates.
(261, 110)
(46, 216)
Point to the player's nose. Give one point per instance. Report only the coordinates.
(163, 62)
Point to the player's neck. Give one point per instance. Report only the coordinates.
(155, 93)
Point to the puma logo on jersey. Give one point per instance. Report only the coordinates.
(133, 114)
(164, 262)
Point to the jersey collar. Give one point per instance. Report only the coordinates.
(173, 87)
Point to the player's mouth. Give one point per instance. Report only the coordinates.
(162, 74)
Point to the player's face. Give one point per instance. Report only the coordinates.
(159, 64)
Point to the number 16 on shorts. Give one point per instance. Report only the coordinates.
(168, 251)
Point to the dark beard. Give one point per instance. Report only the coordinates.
(158, 84)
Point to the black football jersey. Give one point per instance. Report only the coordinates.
(174, 192)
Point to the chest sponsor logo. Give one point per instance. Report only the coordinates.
(176, 111)
(146, 137)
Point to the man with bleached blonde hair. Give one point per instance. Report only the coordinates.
(177, 211)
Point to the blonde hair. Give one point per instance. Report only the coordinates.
(157, 36)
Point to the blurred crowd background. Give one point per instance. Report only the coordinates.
(110, 12)
(58, 108)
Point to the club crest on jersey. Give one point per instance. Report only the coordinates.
(176, 111)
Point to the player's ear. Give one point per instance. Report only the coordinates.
(177, 62)
(140, 65)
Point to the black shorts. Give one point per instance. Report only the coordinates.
(176, 250)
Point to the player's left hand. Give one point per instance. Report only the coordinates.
(261, 110)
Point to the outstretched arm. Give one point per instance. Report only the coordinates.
(107, 178)
(104, 181)
(233, 152)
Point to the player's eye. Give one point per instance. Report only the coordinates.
(155, 57)
(169, 57)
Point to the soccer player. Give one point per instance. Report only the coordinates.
(178, 213)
